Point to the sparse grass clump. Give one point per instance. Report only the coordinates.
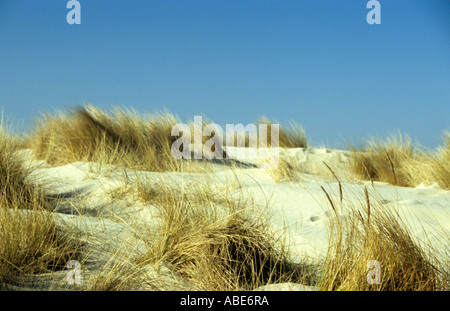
(213, 242)
(15, 188)
(118, 276)
(122, 138)
(440, 164)
(397, 162)
(229, 254)
(291, 137)
(371, 232)
(30, 244)
(29, 240)
(386, 162)
(287, 170)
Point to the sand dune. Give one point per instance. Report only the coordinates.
(100, 204)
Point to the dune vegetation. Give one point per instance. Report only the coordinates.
(125, 138)
(398, 162)
(369, 235)
(293, 136)
(218, 241)
(122, 138)
(128, 139)
(29, 240)
(213, 235)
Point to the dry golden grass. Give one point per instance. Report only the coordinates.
(15, 189)
(123, 138)
(372, 231)
(209, 237)
(288, 170)
(440, 164)
(118, 276)
(291, 137)
(126, 139)
(30, 242)
(397, 162)
(386, 162)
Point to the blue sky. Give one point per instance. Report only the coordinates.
(316, 62)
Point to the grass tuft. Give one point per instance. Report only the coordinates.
(212, 240)
(122, 138)
(291, 137)
(397, 162)
(360, 235)
(30, 242)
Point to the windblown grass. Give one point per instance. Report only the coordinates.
(371, 232)
(290, 137)
(288, 170)
(211, 239)
(15, 188)
(127, 139)
(122, 138)
(118, 276)
(397, 162)
(30, 242)
(440, 164)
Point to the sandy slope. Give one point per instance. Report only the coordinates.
(110, 225)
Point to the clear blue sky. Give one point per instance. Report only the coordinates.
(316, 62)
